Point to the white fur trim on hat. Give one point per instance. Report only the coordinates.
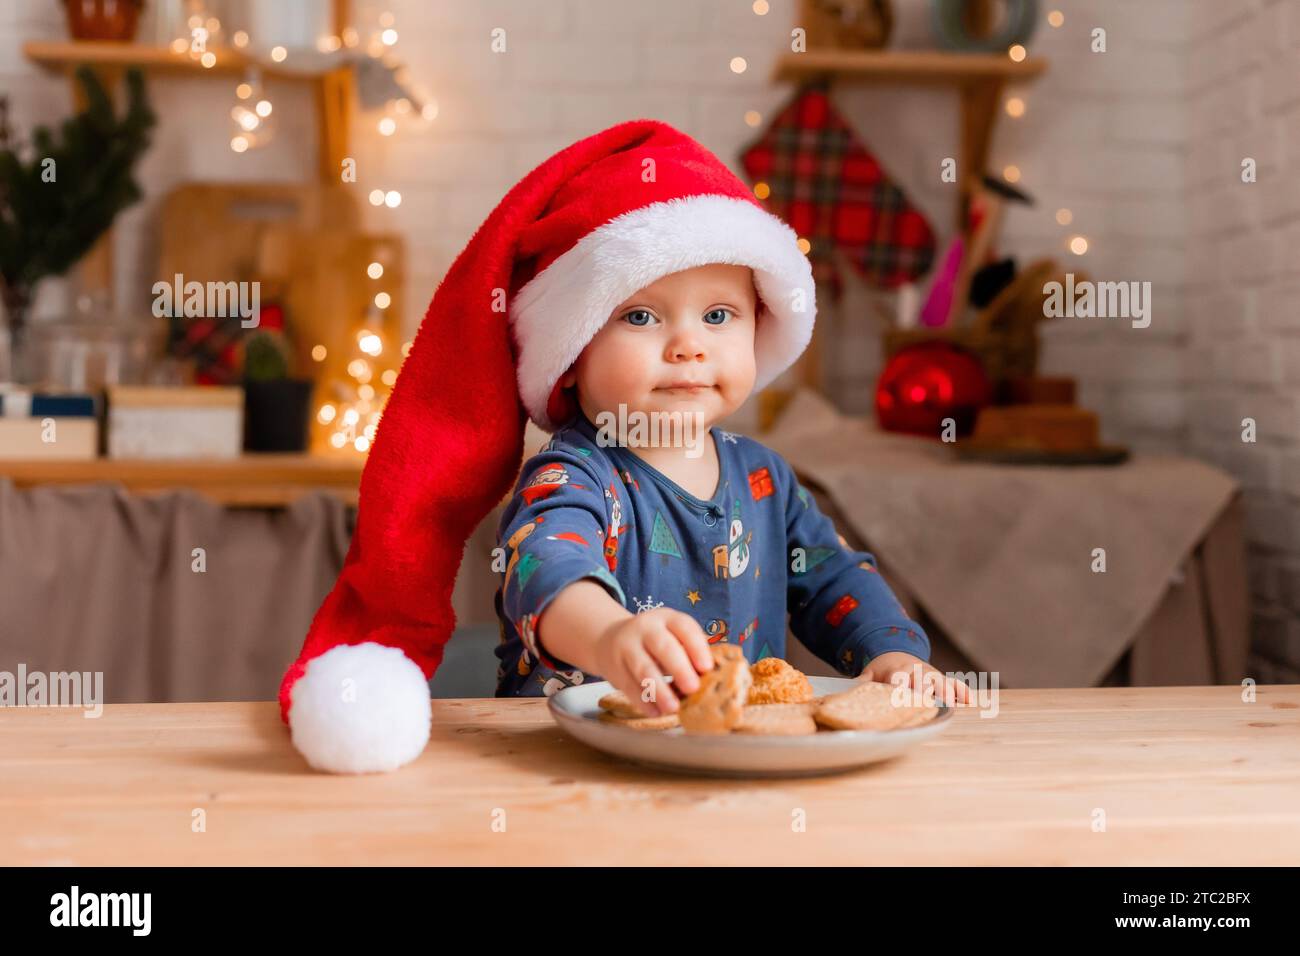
(360, 708)
(562, 308)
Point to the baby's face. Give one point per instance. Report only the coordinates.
(683, 344)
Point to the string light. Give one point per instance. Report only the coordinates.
(239, 144)
(1078, 245)
(319, 352)
(278, 54)
(1017, 53)
(1011, 174)
(1056, 18)
(753, 118)
(387, 126)
(375, 270)
(383, 300)
(376, 197)
(761, 7)
(240, 38)
(738, 64)
(389, 37)
(1015, 107)
(263, 108)
(392, 199)
(1064, 217)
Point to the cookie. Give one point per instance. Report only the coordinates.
(618, 704)
(866, 707)
(662, 722)
(777, 720)
(719, 703)
(919, 712)
(778, 682)
(915, 716)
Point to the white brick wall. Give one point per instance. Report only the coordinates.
(1143, 143)
(1243, 84)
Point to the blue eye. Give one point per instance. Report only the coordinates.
(639, 318)
(716, 316)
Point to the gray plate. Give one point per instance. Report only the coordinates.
(576, 710)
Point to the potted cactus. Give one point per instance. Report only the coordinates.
(276, 406)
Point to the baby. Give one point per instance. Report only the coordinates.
(627, 556)
(630, 278)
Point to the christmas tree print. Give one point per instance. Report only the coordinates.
(765, 652)
(528, 563)
(662, 540)
(812, 558)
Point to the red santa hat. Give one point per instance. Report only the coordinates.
(582, 232)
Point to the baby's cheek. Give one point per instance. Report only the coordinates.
(615, 375)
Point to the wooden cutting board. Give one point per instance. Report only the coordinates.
(305, 243)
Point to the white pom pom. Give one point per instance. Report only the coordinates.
(360, 708)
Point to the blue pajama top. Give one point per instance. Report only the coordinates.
(739, 563)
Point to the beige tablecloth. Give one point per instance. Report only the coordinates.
(1001, 557)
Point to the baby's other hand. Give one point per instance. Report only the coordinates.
(635, 653)
(885, 666)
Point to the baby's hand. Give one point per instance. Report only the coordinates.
(947, 689)
(635, 653)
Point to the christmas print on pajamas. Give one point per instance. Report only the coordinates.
(739, 563)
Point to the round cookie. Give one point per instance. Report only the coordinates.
(662, 722)
(777, 720)
(866, 707)
(618, 704)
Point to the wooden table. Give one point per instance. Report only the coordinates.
(1184, 776)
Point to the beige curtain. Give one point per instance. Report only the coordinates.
(95, 579)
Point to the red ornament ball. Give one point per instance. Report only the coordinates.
(925, 383)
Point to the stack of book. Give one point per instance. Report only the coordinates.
(38, 425)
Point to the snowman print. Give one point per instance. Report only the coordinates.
(738, 544)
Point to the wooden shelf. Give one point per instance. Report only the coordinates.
(252, 480)
(332, 86)
(907, 67)
(69, 54)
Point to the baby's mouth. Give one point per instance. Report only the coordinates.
(684, 388)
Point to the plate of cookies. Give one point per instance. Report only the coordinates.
(767, 719)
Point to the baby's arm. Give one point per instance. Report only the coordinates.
(564, 603)
(631, 651)
(840, 606)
